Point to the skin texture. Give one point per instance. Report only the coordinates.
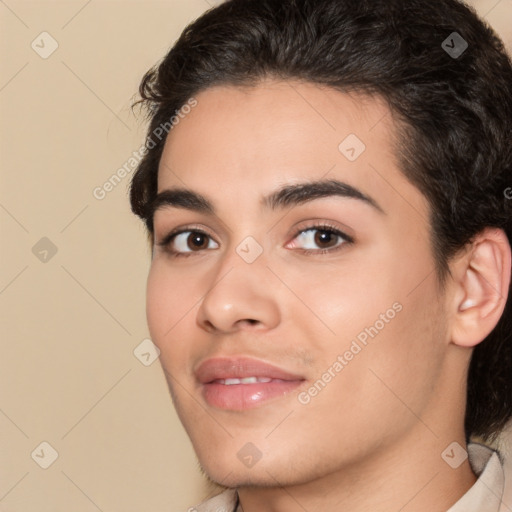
(372, 438)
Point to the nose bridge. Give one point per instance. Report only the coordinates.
(239, 291)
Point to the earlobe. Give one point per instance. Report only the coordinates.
(483, 287)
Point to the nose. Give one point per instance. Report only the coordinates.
(239, 296)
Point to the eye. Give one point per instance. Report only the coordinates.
(183, 243)
(317, 239)
(320, 239)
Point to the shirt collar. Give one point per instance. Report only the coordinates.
(486, 494)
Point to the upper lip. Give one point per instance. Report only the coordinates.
(239, 368)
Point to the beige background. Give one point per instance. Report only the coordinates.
(72, 320)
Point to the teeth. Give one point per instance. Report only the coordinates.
(228, 382)
(245, 380)
(249, 380)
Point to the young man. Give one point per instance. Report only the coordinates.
(327, 190)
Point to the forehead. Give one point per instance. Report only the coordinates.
(239, 142)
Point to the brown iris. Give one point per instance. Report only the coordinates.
(197, 241)
(325, 237)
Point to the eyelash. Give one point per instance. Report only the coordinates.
(168, 239)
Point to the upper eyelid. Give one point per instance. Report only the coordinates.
(325, 228)
(179, 231)
(224, 230)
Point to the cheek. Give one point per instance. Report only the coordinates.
(340, 300)
(385, 321)
(170, 298)
(159, 303)
(378, 382)
(399, 364)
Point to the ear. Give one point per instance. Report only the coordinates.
(482, 281)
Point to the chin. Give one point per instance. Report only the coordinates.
(228, 470)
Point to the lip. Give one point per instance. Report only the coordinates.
(212, 374)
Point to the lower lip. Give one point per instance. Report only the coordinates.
(237, 397)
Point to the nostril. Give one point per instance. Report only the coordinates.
(209, 326)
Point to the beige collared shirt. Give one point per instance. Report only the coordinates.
(492, 492)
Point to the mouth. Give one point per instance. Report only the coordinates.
(243, 383)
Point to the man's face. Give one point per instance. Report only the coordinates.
(345, 333)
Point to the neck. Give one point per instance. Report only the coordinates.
(409, 477)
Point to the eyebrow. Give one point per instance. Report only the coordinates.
(285, 197)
